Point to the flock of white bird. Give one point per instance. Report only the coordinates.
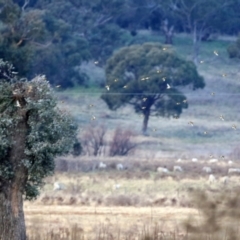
(176, 168)
(206, 169)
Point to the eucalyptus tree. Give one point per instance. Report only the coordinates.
(148, 77)
(33, 131)
(197, 17)
(21, 30)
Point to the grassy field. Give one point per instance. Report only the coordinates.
(139, 202)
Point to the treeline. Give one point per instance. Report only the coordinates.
(53, 37)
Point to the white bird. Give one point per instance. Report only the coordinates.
(18, 104)
(117, 186)
(213, 160)
(177, 169)
(194, 160)
(102, 165)
(230, 162)
(168, 86)
(191, 123)
(211, 178)
(207, 169)
(162, 169)
(119, 166)
(234, 170)
(58, 186)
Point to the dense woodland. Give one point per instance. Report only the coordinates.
(54, 37)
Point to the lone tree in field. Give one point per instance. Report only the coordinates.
(32, 132)
(148, 77)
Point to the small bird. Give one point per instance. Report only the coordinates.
(234, 127)
(58, 86)
(215, 52)
(144, 99)
(164, 79)
(190, 123)
(18, 104)
(93, 118)
(168, 86)
(221, 117)
(185, 100)
(108, 87)
(125, 86)
(213, 93)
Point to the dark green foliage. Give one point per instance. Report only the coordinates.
(50, 132)
(104, 39)
(77, 148)
(234, 49)
(60, 57)
(141, 75)
(77, 32)
(19, 29)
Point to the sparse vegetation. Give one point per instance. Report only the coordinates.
(93, 139)
(122, 143)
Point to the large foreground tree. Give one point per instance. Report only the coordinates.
(148, 77)
(33, 131)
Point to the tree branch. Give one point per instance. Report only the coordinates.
(26, 2)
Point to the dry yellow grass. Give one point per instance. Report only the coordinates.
(144, 198)
(90, 219)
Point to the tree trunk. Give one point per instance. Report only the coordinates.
(145, 120)
(168, 39)
(12, 222)
(195, 45)
(168, 32)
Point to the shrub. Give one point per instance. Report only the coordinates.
(122, 144)
(93, 139)
(234, 49)
(220, 214)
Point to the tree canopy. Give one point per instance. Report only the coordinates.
(148, 77)
(55, 37)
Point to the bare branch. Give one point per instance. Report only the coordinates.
(121, 144)
(26, 2)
